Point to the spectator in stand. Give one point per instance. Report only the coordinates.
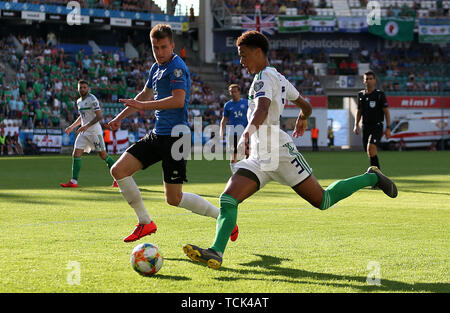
(353, 68)
(38, 116)
(410, 83)
(332, 67)
(30, 148)
(343, 67)
(8, 143)
(3, 147)
(46, 116)
(15, 144)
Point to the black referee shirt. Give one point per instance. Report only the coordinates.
(371, 106)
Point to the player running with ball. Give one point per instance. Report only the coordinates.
(267, 96)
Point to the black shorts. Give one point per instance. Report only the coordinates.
(372, 134)
(235, 143)
(154, 148)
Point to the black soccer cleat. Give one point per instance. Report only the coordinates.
(207, 256)
(384, 183)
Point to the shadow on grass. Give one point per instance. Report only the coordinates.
(172, 277)
(271, 267)
(426, 192)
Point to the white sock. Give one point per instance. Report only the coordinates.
(233, 167)
(132, 195)
(196, 204)
(74, 181)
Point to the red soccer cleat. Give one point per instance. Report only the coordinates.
(114, 184)
(234, 233)
(69, 184)
(140, 231)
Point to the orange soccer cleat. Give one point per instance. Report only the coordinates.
(69, 184)
(140, 231)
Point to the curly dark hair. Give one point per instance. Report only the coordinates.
(253, 39)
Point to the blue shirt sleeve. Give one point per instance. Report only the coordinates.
(226, 111)
(178, 77)
(150, 75)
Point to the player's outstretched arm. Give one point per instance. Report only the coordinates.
(175, 101)
(145, 95)
(302, 120)
(223, 124)
(261, 111)
(70, 128)
(98, 117)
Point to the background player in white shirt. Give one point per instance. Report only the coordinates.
(90, 134)
(263, 141)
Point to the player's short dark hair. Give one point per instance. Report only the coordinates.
(161, 31)
(234, 86)
(370, 73)
(82, 81)
(254, 39)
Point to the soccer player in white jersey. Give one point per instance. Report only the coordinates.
(270, 152)
(90, 134)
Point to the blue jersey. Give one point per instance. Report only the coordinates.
(162, 79)
(236, 112)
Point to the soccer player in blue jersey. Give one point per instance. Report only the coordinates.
(234, 115)
(167, 92)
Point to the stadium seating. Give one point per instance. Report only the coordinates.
(127, 5)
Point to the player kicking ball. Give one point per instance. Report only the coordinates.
(90, 134)
(267, 97)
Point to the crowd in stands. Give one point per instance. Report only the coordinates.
(308, 7)
(126, 5)
(415, 69)
(298, 68)
(44, 90)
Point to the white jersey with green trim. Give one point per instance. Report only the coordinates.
(87, 108)
(269, 83)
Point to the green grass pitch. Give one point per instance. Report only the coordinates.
(284, 246)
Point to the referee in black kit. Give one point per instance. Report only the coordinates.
(372, 107)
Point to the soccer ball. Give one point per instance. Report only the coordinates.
(146, 259)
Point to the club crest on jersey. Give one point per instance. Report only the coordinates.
(258, 85)
(177, 72)
(372, 104)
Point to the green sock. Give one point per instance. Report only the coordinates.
(109, 161)
(225, 222)
(343, 188)
(76, 166)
